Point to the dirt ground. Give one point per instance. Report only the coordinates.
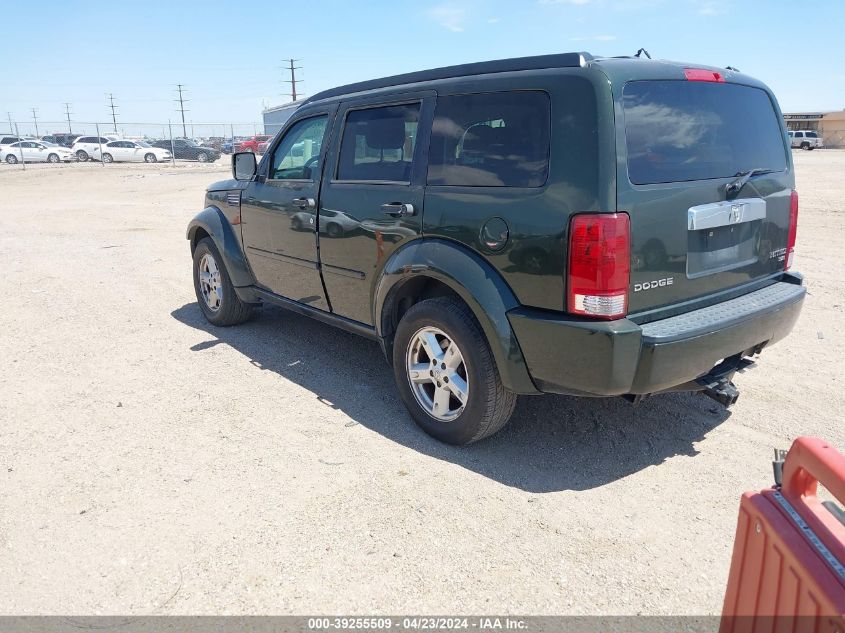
(153, 464)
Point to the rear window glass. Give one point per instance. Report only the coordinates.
(687, 130)
(498, 139)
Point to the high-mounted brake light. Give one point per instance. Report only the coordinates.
(793, 230)
(599, 265)
(702, 74)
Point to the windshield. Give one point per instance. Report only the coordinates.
(143, 143)
(48, 144)
(688, 130)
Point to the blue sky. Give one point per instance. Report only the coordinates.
(230, 55)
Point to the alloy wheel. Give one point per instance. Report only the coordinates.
(437, 374)
(211, 285)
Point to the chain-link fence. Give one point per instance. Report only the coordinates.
(25, 143)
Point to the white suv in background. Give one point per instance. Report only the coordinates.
(84, 146)
(805, 139)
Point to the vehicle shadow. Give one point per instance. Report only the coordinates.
(552, 442)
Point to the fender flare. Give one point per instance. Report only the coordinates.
(214, 222)
(475, 281)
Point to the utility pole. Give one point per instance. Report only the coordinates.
(293, 80)
(182, 109)
(67, 112)
(35, 120)
(113, 108)
(11, 127)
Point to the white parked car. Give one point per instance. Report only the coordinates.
(84, 146)
(35, 152)
(123, 151)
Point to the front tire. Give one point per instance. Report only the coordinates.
(215, 293)
(805, 145)
(82, 156)
(150, 158)
(446, 374)
(202, 157)
(53, 158)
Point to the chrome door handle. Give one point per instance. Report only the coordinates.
(398, 209)
(304, 203)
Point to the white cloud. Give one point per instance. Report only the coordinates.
(449, 17)
(711, 8)
(595, 38)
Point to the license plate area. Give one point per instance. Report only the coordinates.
(722, 236)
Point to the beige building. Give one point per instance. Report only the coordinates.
(831, 125)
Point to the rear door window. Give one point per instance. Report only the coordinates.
(689, 130)
(378, 144)
(811, 135)
(498, 139)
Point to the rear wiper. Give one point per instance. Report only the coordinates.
(744, 177)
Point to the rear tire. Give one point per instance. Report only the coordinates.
(202, 157)
(216, 295)
(108, 158)
(487, 405)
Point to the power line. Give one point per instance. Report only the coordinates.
(182, 109)
(293, 80)
(113, 108)
(35, 120)
(67, 112)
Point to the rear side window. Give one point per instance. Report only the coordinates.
(498, 139)
(378, 144)
(811, 135)
(691, 130)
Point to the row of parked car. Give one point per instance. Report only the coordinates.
(66, 148)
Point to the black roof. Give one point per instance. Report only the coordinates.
(560, 60)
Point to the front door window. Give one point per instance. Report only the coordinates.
(299, 151)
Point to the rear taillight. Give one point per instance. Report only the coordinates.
(599, 265)
(702, 74)
(793, 230)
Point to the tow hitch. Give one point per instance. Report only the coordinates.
(722, 391)
(717, 383)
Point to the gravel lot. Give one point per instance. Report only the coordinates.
(153, 464)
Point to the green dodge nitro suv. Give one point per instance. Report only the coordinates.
(562, 223)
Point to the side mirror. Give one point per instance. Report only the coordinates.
(244, 165)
